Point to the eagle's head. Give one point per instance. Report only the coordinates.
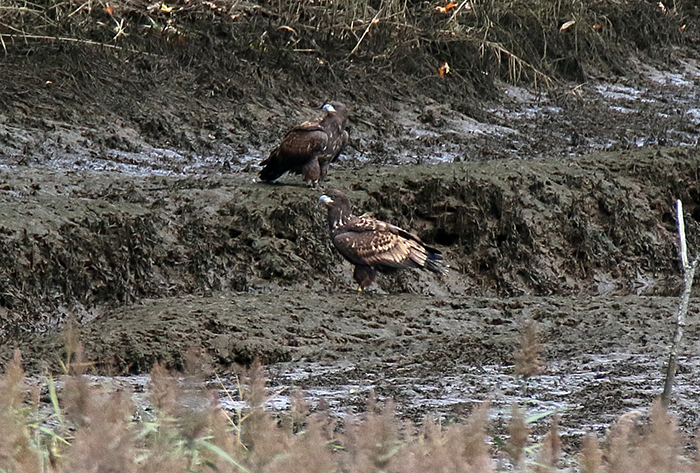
(336, 108)
(338, 208)
(338, 205)
(334, 198)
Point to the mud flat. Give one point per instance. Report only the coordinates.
(129, 204)
(153, 266)
(434, 355)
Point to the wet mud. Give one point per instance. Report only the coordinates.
(434, 356)
(151, 267)
(76, 243)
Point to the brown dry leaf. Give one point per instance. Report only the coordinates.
(683, 27)
(597, 27)
(444, 69)
(567, 25)
(109, 10)
(446, 8)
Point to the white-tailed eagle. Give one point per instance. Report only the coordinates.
(372, 245)
(309, 148)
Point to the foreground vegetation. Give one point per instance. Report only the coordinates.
(184, 429)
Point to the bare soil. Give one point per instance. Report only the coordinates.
(129, 203)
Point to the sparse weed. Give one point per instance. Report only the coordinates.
(527, 356)
(518, 433)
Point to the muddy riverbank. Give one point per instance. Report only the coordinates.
(129, 203)
(77, 242)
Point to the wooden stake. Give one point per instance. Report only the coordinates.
(688, 276)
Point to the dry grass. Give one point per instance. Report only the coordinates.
(518, 434)
(183, 429)
(527, 356)
(535, 40)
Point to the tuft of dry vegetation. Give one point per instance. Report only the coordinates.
(550, 451)
(591, 457)
(527, 356)
(518, 434)
(184, 429)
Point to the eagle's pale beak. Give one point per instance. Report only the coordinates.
(324, 199)
(328, 108)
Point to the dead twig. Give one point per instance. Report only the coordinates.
(375, 20)
(515, 63)
(88, 4)
(688, 276)
(78, 41)
(458, 9)
(21, 9)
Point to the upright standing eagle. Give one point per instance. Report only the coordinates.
(372, 245)
(309, 148)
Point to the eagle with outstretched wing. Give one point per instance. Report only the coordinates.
(309, 148)
(372, 245)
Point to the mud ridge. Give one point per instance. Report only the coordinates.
(74, 242)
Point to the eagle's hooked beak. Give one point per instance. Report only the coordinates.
(328, 108)
(324, 199)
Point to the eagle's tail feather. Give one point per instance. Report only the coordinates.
(269, 173)
(272, 168)
(436, 263)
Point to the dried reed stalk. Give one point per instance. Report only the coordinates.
(527, 357)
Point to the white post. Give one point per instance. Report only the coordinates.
(682, 246)
(688, 276)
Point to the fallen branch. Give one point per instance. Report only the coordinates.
(375, 20)
(458, 9)
(688, 276)
(70, 40)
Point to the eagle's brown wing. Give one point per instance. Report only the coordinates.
(368, 241)
(366, 222)
(301, 144)
(342, 142)
(380, 249)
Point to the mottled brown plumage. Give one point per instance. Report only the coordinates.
(309, 148)
(372, 245)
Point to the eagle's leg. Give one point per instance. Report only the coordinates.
(311, 172)
(324, 170)
(363, 275)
